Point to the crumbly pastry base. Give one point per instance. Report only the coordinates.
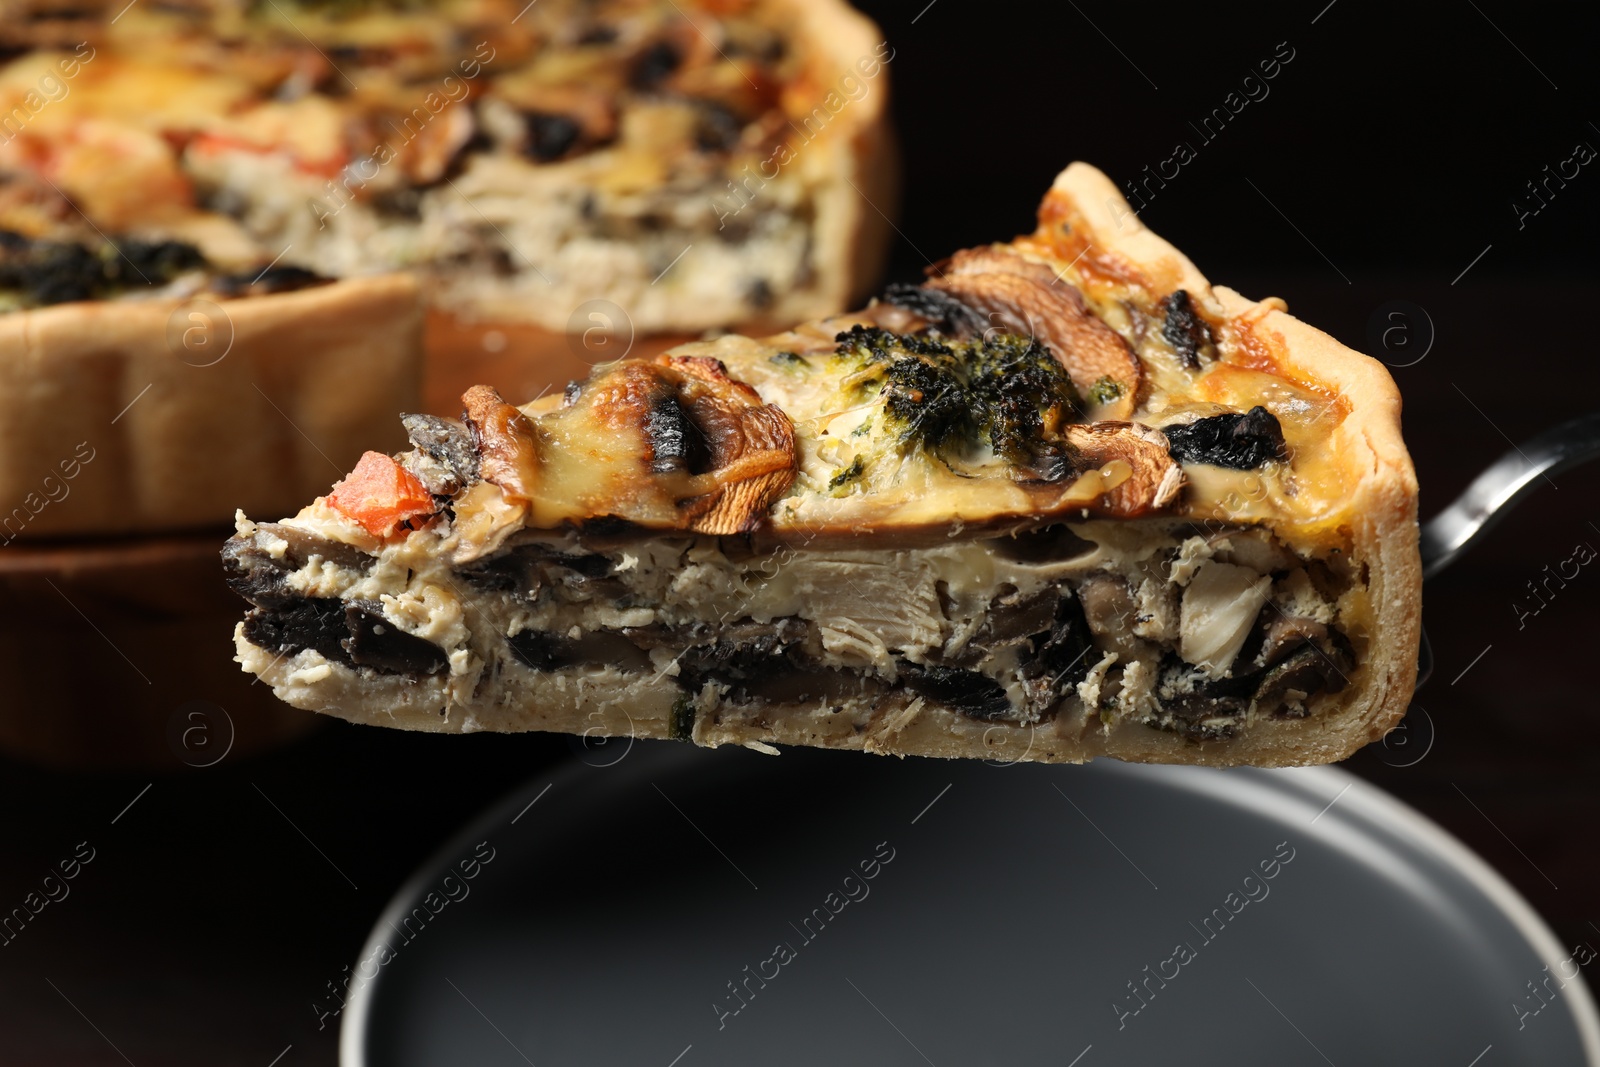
(603, 702)
(312, 378)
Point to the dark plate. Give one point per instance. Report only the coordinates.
(686, 907)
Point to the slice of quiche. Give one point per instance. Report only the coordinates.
(1064, 499)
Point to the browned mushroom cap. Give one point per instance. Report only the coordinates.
(1128, 471)
(504, 437)
(749, 447)
(674, 443)
(1004, 288)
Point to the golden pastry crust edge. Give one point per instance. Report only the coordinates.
(1383, 530)
(857, 165)
(313, 378)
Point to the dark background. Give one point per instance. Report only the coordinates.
(1386, 159)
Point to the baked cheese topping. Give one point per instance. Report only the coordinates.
(908, 421)
(579, 145)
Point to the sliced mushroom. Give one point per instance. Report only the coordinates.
(1251, 547)
(1285, 633)
(1110, 609)
(1127, 471)
(449, 447)
(1184, 329)
(934, 307)
(670, 443)
(1003, 288)
(508, 454)
(750, 449)
(1286, 686)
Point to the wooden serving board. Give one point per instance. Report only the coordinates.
(120, 654)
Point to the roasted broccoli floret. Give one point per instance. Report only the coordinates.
(951, 398)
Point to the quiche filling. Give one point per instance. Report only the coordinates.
(530, 155)
(1193, 631)
(38, 273)
(886, 514)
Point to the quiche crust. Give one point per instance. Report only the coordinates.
(1381, 511)
(159, 437)
(927, 528)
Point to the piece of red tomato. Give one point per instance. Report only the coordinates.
(381, 495)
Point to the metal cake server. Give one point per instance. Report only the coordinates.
(1494, 493)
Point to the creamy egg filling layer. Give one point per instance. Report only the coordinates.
(1085, 626)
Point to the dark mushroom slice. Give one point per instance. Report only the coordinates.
(259, 574)
(1062, 656)
(1283, 634)
(373, 641)
(1286, 686)
(676, 443)
(973, 693)
(448, 442)
(542, 651)
(1184, 329)
(1197, 706)
(1240, 442)
(937, 308)
(316, 623)
(352, 633)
